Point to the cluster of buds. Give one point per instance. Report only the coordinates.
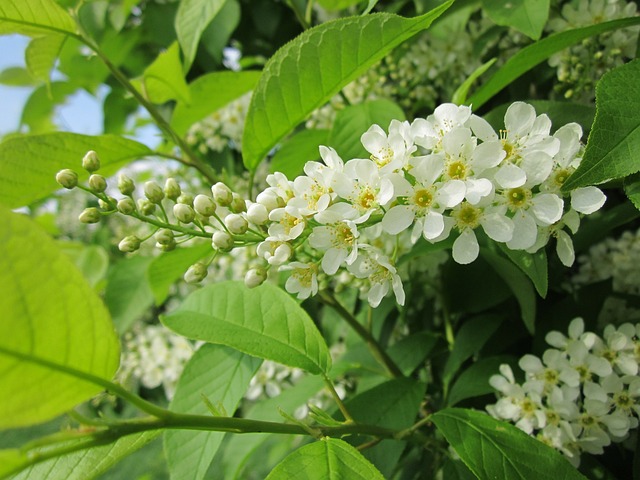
(581, 395)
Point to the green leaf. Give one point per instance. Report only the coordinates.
(16, 77)
(191, 21)
(264, 322)
(216, 36)
(40, 107)
(163, 79)
(534, 265)
(598, 227)
(632, 189)
(51, 318)
(83, 464)
(526, 16)
(41, 55)
(34, 17)
(612, 149)
(411, 351)
(327, 459)
(128, 295)
(91, 260)
(305, 73)
(459, 97)
(469, 340)
(494, 449)
(208, 94)
(355, 120)
(335, 5)
(169, 267)
(298, 150)
(530, 56)
(220, 374)
(519, 285)
(474, 381)
(29, 163)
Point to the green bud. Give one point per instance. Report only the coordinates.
(90, 215)
(172, 189)
(91, 162)
(236, 224)
(107, 206)
(238, 204)
(255, 277)
(129, 244)
(196, 273)
(125, 184)
(184, 213)
(185, 199)
(97, 183)
(164, 237)
(222, 241)
(153, 192)
(168, 247)
(222, 194)
(146, 207)
(67, 178)
(204, 205)
(126, 206)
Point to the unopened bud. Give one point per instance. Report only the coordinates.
(172, 189)
(97, 183)
(126, 206)
(204, 205)
(164, 236)
(185, 199)
(91, 162)
(67, 178)
(238, 204)
(222, 241)
(146, 207)
(196, 273)
(255, 277)
(125, 184)
(222, 194)
(153, 192)
(184, 213)
(108, 206)
(236, 224)
(257, 214)
(90, 215)
(129, 244)
(168, 247)
(270, 200)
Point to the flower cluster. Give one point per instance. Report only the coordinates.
(582, 395)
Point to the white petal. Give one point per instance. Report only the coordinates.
(576, 328)
(497, 227)
(525, 232)
(587, 199)
(487, 155)
(433, 225)
(519, 119)
(478, 188)
(332, 260)
(451, 193)
(482, 129)
(466, 248)
(547, 208)
(510, 176)
(398, 219)
(564, 248)
(538, 167)
(530, 364)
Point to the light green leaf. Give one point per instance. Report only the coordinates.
(518, 283)
(264, 322)
(222, 375)
(459, 97)
(41, 55)
(34, 17)
(128, 295)
(16, 77)
(167, 268)
(355, 120)
(534, 265)
(474, 381)
(614, 143)
(494, 449)
(298, 150)
(191, 20)
(526, 16)
(305, 73)
(530, 56)
(84, 464)
(51, 318)
(29, 163)
(163, 79)
(327, 459)
(216, 36)
(210, 93)
(335, 5)
(91, 260)
(38, 111)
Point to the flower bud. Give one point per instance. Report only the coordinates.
(184, 213)
(186, 199)
(168, 247)
(164, 236)
(172, 189)
(97, 183)
(90, 215)
(222, 194)
(126, 206)
(238, 204)
(257, 214)
(129, 244)
(125, 184)
(222, 241)
(270, 200)
(146, 207)
(67, 178)
(196, 273)
(107, 206)
(236, 224)
(153, 192)
(91, 162)
(204, 205)
(255, 277)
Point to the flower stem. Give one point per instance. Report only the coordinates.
(345, 413)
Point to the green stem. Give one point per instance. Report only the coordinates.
(345, 413)
(177, 228)
(376, 349)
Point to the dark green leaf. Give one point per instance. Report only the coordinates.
(298, 150)
(526, 16)
(534, 265)
(474, 381)
(632, 189)
(411, 351)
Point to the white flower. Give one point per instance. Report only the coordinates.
(287, 224)
(303, 280)
(380, 274)
(339, 241)
(390, 153)
(587, 199)
(429, 132)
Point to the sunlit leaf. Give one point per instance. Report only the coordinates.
(298, 150)
(163, 79)
(41, 55)
(34, 17)
(191, 20)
